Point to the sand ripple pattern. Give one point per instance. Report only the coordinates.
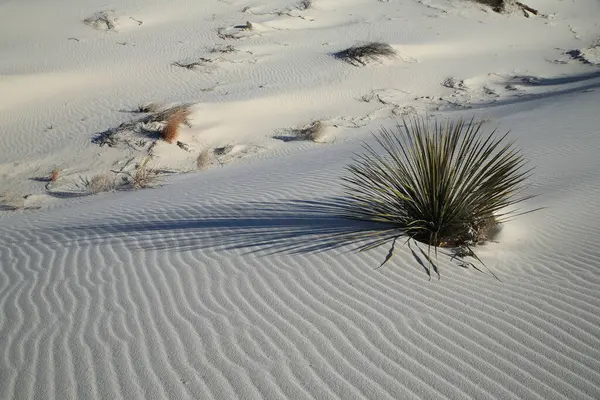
(230, 284)
(206, 298)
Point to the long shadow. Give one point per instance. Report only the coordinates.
(291, 227)
(572, 84)
(529, 80)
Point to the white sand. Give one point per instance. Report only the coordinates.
(227, 283)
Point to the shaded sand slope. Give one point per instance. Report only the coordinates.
(219, 286)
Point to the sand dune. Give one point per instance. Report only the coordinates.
(240, 281)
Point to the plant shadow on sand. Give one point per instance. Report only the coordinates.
(261, 228)
(565, 85)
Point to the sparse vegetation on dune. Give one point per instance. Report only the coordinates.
(170, 132)
(155, 115)
(12, 202)
(96, 184)
(446, 184)
(103, 20)
(223, 49)
(314, 132)
(147, 108)
(305, 4)
(507, 5)
(203, 159)
(202, 61)
(143, 176)
(361, 54)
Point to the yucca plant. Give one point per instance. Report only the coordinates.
(446, 184)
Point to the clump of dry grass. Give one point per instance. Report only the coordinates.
(170, 131)
(496, 5)
(54, 174)
(362, 54)
(12, 202)
(508, 6)
(224, 34)
(223, 150)
(94, 185)
(203, 159)
(143, 176)
(102, 183)
(201, 62)
(314, 132)
(102, 20)
(223, 48)
(97, 183)
(147, 108)
(304, 5)
(52, 177)
(118, 135)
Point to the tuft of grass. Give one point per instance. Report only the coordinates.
(143, 176)
(96, 184)
(101, 183)
(103, 20)
(500, 6)
(223, 150)
(170, 132)
(363, 53)
(223, 49)
(314, 132)
(496, 5)
(113, 137)
(12, 202)
(203, 159)
(222, 33)
(52, 177)
(147, 108)
(443, 184)
(54, 174)
(201, 62)
(304, 5)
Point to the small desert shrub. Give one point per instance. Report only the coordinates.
(304, 4)
(102, 183)
(200, 62)
(314, 132)
(223, 150)
(362, 54)
(96, 184)
(203, 160)
(52, 177)
(54, 174)
(11, 202)
(147, 108)
(143, 176)
(104, 20)
(496, 5)
(155, 115)
(508, 6)
(444, 184)
(171, 130)
(222, 48)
